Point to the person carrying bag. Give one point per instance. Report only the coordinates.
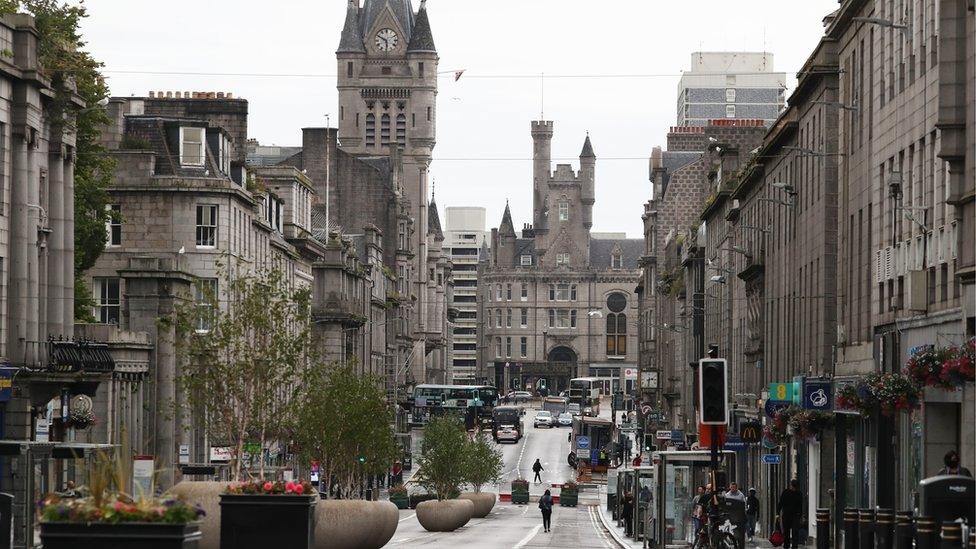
(777, 538)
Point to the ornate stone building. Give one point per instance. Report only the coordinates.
(558, 302)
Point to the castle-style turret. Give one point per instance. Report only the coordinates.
(503, 240)
(542, 131)
(587, 177)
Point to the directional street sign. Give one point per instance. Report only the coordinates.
(583, 443)
(772, 459)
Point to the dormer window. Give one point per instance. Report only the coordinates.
(526, 260)
(274, 213)
(192, 151)
(224, 154)
(616, 261)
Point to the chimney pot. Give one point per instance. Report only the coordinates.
(220, 95)
(152, 94)
(230, 95)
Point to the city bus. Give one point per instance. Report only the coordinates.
(585, 392)
(473, 402)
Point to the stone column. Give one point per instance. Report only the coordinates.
(17, 305)
(68, 242)
(57, 323)
(154, 288)
(33, 287)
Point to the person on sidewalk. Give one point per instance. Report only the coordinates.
(545, 505)
(790, 510)
(752, 513)
(952, 466)
(537, 468)
(628, 512)
(696, 511)
(735, 493)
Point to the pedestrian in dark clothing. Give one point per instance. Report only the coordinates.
(537, 468)
(752, 513)
(790, 510)
(628, 511)
(545, 504)
(697, 511)
(952, 465)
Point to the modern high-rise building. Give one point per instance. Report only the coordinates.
(732, 85)
(464, 239)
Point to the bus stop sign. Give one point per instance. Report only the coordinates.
(583, 443)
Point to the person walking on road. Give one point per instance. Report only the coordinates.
(545, 504)
(628, 511)
(952, 466)
(752, 513)
(537, 468)
(790, 510)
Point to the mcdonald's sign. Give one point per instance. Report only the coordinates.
(751, 432)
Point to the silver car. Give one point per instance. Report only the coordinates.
(565, 419)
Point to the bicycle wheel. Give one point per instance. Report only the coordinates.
(728, 541)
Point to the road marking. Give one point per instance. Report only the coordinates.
(525, 541)
(407, 518)
(518, 464)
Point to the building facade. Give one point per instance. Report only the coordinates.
(731, 85)
(557, 303)
(465, 238)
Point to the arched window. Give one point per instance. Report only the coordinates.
(385, 130)
(401, 129)
(617, 325)
(370, 130)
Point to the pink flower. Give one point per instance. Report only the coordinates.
(118, 506)
(299, 489)
(268, 486)
(290, 487)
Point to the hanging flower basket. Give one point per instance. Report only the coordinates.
(887, 393)
(947, 368)
(81, 419)
(796, 423)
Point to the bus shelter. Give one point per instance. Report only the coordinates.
(593, 444)
(46, 467)
(639, 484)
(673, 485)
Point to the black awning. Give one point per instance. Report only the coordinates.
(80, 356)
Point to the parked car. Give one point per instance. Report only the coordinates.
(506, 433)
(543, 417)
(519, 396)
(565, 419)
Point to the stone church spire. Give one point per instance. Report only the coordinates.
(352, 36)
(422, 39)
(507, 227)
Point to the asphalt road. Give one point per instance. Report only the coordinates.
(519, 526)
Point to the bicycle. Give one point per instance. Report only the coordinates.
(717, 532)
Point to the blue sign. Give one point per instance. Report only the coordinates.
(583, 443)
(677, 436)
(7, 383)
(768, 444)
(735, 444)
(772, 459)
(773, 406)
(818, 395)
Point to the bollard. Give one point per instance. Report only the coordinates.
(904, 530)
(884, 530)
(951, 535)
(823, 528)
(865, 529)
(850, 528)
(926, 533)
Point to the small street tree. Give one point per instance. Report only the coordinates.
(342, 421)
(443, 457)
(245, 355)
(484, 463)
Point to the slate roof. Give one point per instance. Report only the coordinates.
(162, 136)
(434, 220)
(374, 8)
(507, 227)
(422, 39)
(587, 149)
(352, 35)
(601, 250)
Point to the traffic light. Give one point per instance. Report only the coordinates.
(649, 442)
(713, 391)
(361, 459)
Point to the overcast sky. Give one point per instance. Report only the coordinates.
(484, 149)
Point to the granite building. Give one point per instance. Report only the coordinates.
(558, 303)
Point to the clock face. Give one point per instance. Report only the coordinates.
(386, 40)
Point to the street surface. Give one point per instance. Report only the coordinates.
(520, 526)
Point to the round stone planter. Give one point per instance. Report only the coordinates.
(354, 524)
(484, 502)
(207, 496)
(444, 516)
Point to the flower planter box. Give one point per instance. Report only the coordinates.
(402, 501)
(568, 498)
(141, 535)
(262, 521)
(520, 498)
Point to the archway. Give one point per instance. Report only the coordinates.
(562, 367)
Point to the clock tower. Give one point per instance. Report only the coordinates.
(387, 83)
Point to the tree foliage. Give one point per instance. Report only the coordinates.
(484, 462)
(342, 421)
(244, 359)
(73, 71)
(443, 462)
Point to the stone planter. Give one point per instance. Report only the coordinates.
(568, 498)
(354, 524)
(520, 492)
(484, 502)
(444, 516)
(207, 496)
(402, 501)
(65, 535)
(261, 521)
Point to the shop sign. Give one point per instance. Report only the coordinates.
(678, 436)
(7, 383)
(750, 432)
(818, 395)
(143, 469)
(663, 435)
(220, 454)
(781, 392)
(773, 406)
(734, 444)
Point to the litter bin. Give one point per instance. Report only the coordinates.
(948, 498)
